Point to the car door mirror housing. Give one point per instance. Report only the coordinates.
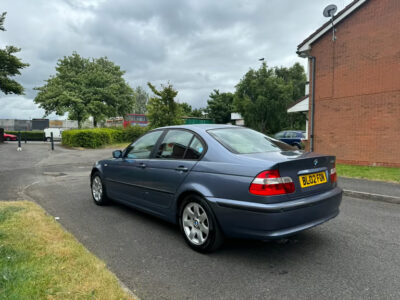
(117, 154)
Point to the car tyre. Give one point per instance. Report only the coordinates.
(8, 139)
(199, 226)
(98, 190)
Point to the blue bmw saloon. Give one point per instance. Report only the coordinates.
(218, 181)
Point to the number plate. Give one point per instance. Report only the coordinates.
(312, 179)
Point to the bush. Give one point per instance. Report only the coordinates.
(36, 135)
(133, 133)
(98, 137)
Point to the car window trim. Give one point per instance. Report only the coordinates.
(195, 134)
(124, 153)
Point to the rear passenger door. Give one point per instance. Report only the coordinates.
(176, 154)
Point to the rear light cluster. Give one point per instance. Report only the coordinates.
(269, 183)
(333, 173)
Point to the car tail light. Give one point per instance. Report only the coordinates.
(270, 183)
(333, 173)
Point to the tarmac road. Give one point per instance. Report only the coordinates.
(355, 255)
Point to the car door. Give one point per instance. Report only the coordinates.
(288, 137)
(125, 176)
(176, 154)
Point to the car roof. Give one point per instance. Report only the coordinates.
(201, 126)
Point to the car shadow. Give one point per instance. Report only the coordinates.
(304, 242)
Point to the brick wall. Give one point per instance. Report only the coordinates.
(357, 87)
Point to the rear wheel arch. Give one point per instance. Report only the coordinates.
(182, 197)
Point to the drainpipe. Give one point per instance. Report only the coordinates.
(312, 103)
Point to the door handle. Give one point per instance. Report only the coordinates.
(142, 165)
(181, 169)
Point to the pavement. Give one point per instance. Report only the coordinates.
(369, 189)
(352, 256)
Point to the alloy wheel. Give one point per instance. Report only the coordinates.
(195, 223)
(97, 189)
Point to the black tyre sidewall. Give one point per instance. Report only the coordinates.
(215, 237)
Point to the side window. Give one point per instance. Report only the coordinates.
(142, 147)
(280, 135)
(174, 144)
(290, 135)
(195, 149)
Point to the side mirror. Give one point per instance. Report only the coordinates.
(117, 154)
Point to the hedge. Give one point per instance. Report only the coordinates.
(36, 135)
(98, 137)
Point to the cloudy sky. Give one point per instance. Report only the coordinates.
(198, 45)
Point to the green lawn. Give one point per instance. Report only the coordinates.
(39, 260)
(367, 172)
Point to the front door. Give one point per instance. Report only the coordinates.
(126, 176)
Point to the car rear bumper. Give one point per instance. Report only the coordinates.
(268, 221)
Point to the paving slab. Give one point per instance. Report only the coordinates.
(371, 190)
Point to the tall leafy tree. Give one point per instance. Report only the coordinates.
(220, 107)
(10, 66)
(162, 108)
(142, 98)
(86, 87)
(296, 77)
(263, 95)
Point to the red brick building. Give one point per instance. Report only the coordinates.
(357, 84)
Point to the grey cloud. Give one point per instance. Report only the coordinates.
(198, 46)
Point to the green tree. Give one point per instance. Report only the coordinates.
(186, 109)
(263, 95)
(142, 98)
(198, 112)
(162, 108)
(86, 87)
(10, 66)
(296, 77)
(220, 107)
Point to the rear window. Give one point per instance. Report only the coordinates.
(246, 141)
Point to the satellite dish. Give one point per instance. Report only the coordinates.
(330, 11)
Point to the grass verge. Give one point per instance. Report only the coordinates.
(367, 172)
(39, 260)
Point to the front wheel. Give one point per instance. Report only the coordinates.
(8, 139)
(199, 226)
(98, 190)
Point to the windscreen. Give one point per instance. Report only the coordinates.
(246, 141)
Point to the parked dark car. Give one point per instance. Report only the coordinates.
(291, 137)
(10, 137)
(220, 180)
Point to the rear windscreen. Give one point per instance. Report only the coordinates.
(245, 141)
